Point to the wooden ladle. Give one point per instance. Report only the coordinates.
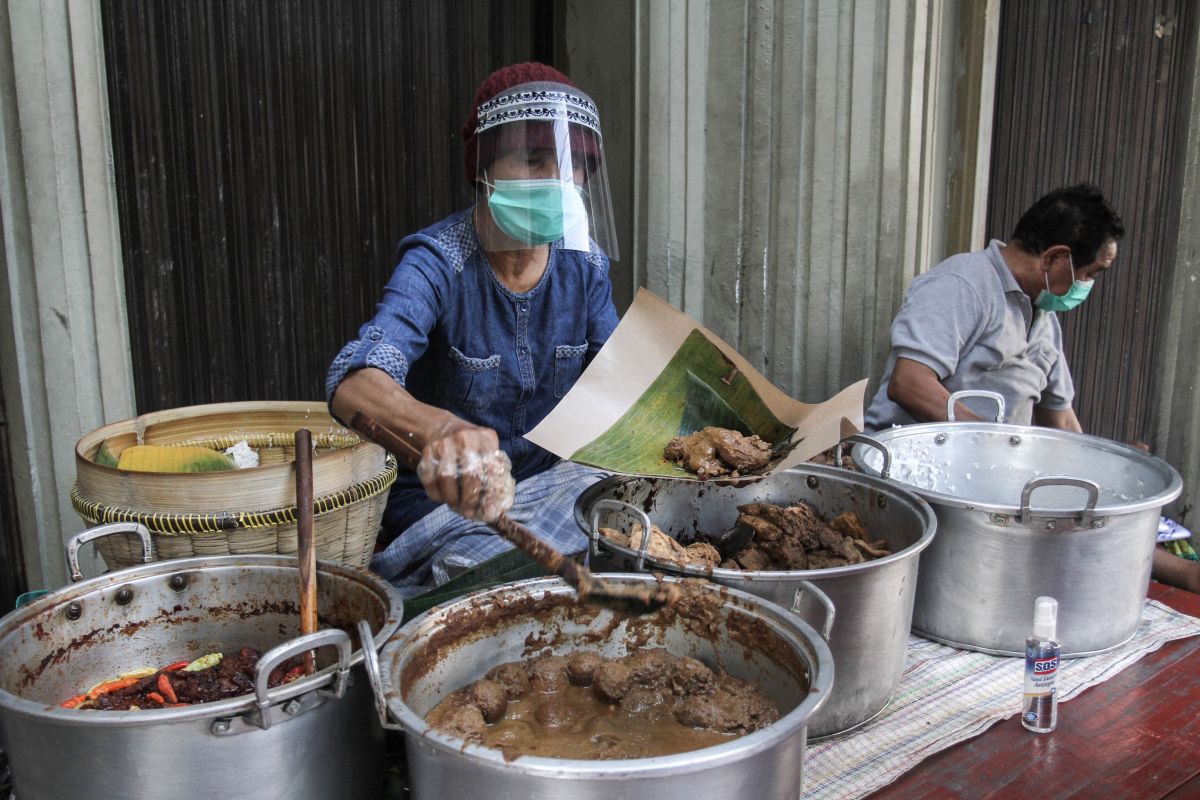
(587, 586)
(306, 552)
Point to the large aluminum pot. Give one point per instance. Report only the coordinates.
(873, 600)
(1024, 512)
(313, 738)
(447, 648)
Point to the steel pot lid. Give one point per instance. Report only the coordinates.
(1015, 469)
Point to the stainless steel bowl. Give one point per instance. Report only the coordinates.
(447, 648)
(1023, 512)
(309, 739)
(873, 600)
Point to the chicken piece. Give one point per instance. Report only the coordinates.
(661, 545)
(847, 523)
(695, 453)
(619, 538)
(734, 707)
(512, 676)
(713, 452)
(823, 559)
(581, 665)
(786, 553)
(650, 667)
(701, 554)
(753, 559)
(691, 678)
(742, 454)
(611, 680)
(547, 673)
(453, 717)
(796, 521)
(872, 550)
(490, 698)
(764, 531)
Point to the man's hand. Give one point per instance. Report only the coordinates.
(916, 388)
(1064, 420)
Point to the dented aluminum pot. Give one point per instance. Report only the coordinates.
(313, 738)
(1023, 512)
(873, 600)
(452, 646)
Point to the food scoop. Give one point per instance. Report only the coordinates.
(630, 598)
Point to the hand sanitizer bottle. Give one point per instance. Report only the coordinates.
(1039, 711)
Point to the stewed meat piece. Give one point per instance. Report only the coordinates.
(611, 680)
(489, 697)
(547, 673)
(580, 666)
(713, 452)
(512, 676)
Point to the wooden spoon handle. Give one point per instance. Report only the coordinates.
(306, 552)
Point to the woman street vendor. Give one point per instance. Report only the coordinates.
(488, 319)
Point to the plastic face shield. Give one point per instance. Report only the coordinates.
(541, 174)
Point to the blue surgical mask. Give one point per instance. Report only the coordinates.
(1048, 301)
(538, 210)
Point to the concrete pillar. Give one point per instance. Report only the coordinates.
(64, 343)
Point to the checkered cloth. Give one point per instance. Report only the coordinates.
(443, 544)
(947, 695)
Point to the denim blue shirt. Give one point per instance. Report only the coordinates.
(455, 337)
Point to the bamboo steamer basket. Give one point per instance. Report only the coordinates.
(238, 511)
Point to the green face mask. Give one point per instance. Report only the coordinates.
(536, 211)
(1047, 301)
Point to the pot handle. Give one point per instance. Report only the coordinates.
(99, 532)
(1085, 516)
(822, 598)
(995, 397)
(332, 637)
(859, 438)
(371, 665)
(618, 505)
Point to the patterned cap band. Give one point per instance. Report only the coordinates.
(538, 102)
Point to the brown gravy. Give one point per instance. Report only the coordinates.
(582, 706)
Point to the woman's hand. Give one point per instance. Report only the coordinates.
(463, 466)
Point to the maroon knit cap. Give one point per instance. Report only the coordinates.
(499, 81)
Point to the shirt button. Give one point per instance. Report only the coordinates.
(375, 335)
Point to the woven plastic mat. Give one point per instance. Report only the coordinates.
(948, 695)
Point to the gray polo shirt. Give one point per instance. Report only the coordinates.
(969, 321)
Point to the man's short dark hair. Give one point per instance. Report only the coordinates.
(1077, 216)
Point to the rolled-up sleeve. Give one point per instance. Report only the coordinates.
(398, 334)
(940, 317)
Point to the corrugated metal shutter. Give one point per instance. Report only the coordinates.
(269, 155)
(1098, 90)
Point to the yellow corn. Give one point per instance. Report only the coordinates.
(158, 458)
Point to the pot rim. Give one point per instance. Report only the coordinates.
(1174, 482)
(894, 489)
(820, 661)
(234, 706)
